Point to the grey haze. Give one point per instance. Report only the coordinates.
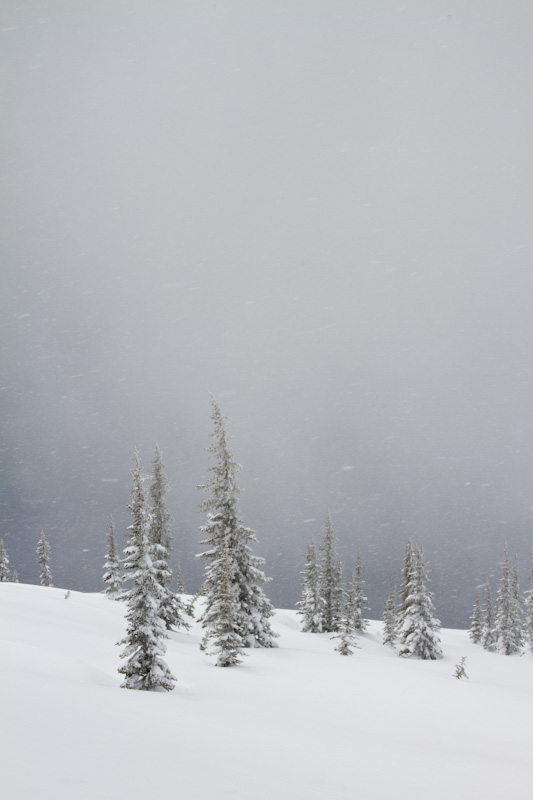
(319, 211)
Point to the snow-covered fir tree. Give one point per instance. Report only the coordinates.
(4, 564)
(312, 603)
(188, 606)
(112, 576)
(407, 569)
(476, 629)
(347, 634)
(172, 608)
(144, 643)
(180, 583)
(528, 621)
(460, 671)
(507, 624)
(331, 581)
(225, 642)
(390, 617)
(517, 602)
(360, 606)
(487, 620)
(43, 557)
(418, 632)
(227, 538)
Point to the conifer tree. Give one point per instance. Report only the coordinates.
(228, 539)
(4, 564)
(487, 621)
(180, 584)
(460, 671)
(347, 634)
(312, 603)
(43, 556)
(188, 606)
(418, 633)
(191, 605)
(15, 578)
(517, 604)
(360, 605)
(225, 641)
(507, 627)
(390, 618)
(145, 668)
(113, 576)
(407, 569)
(331, 581)
(528, 622)
(172, 608)
(476, 631)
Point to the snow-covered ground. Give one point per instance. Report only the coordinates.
(296, 722)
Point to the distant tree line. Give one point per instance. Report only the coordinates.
(410, 623)
(505, 624)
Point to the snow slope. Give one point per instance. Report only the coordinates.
(296, 722)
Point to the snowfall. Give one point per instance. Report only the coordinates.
(297, 722)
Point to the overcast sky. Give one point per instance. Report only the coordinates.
(321, 212)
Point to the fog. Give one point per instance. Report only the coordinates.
(319, 212)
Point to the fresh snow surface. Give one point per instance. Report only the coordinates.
(295, 723)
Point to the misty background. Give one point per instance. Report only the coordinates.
(319, 212)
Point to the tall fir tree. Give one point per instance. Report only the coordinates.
(4, 564)
(312, 603)
(528, 621)
(507, 625)
(517, 603)
(487, 620)
(225, 642)
(407, 569)
(360, 605)
(144, 643)
(112, 576)
(228, 539)
(347, 634)
(172, 608)
(331, 581)
(418, 633)
(476, 629)
(43, 557)
(390, 617)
